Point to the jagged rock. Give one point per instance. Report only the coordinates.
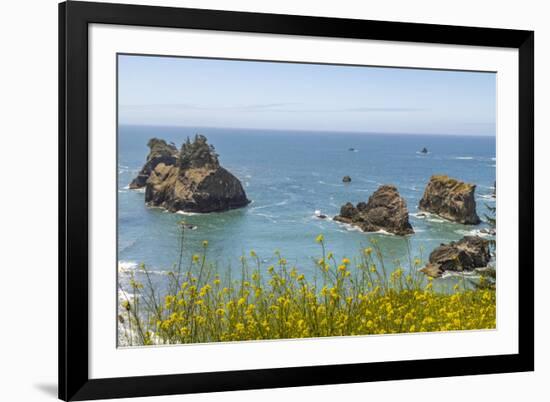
(385, 210)
(346, 179)
(451, 199)
(194, 182)
(467, 254)
(159, 152)
(424, 150)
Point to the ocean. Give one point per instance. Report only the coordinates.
(288, 175)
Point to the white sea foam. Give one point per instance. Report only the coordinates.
(489, 197)
(473, 232)
(186, 213)
(436, 220)
(317, 215)
(351, 228)
(277, 204)
(464, 157)
(267, 216)
(384, 232)
(430, 217)
(126, 266)
(466, 274)
(123, 295)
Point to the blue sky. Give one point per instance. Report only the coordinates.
(245, 94)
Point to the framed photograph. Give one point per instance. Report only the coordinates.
(257, 200)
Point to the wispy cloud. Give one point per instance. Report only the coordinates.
(386, 109)
(287, 107)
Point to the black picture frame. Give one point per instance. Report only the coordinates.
(74, 18)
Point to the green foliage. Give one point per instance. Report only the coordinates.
(345, 297)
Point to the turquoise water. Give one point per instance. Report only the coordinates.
(288, 176)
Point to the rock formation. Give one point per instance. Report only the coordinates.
(424, 150)
(451, 199)
(346, 179)
(385, 210)
(159, 152)
(190, 180)
(467, 254)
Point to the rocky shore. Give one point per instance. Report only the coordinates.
(467, 254)
(385, 210)
(189, 180)
(159, 152)
(451, 199)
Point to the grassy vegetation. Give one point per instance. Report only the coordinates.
(278, 302)
(452, 184)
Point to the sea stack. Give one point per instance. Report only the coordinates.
(385, 210)
(450, 199)
(467, 254)
(190, 180)
(159, 152)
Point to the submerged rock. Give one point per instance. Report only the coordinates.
(451, 199)
(346, 179)
(319, 215)
(159, 152)
(193, 182)
(467, 254)
(385, 210)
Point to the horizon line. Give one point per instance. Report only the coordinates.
(309, 130)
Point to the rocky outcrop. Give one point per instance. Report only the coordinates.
(159, 152)
(467, 254)
(385, 210)
(451, 199)
(346, 179)
(193, 182)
